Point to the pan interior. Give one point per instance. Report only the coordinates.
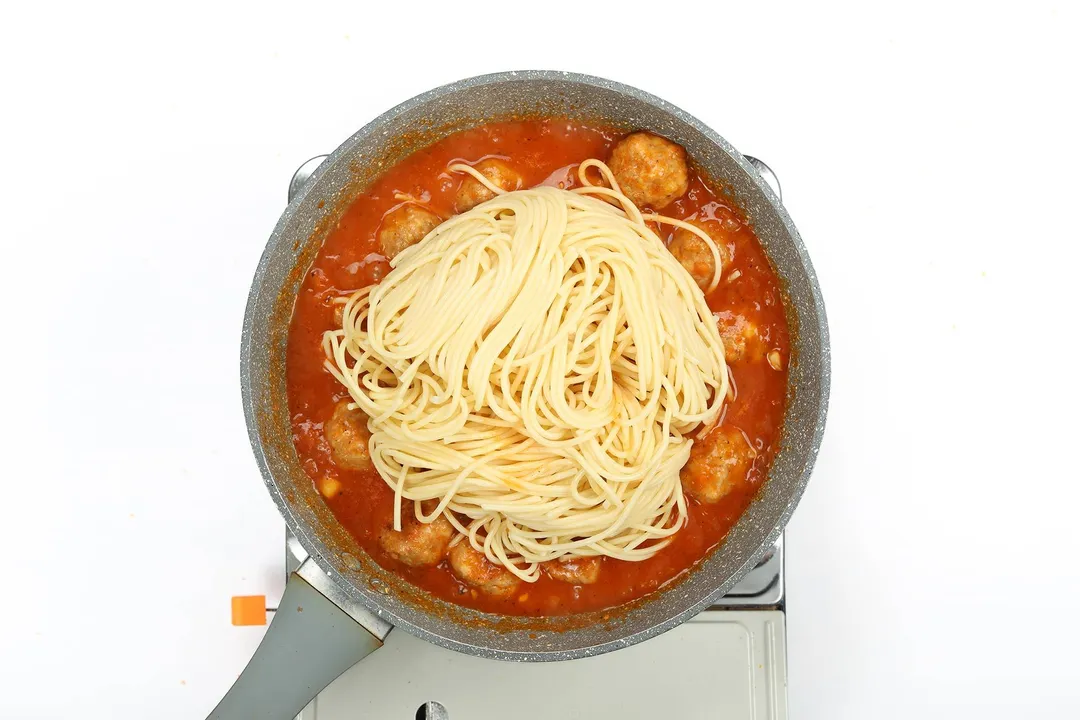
(297, 238)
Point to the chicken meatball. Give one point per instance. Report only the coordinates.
(576, 571)
(472, 192)
(418, 544)
(347, 433)
(476, 570)
(650, 170)
(717, 464)
(405, 226)
(694, 254)
(740, 337)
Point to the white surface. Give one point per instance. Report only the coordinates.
(733, 656)
(929, 157)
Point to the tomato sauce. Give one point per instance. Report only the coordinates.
(544, 152)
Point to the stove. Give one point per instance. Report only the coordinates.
(728, 662)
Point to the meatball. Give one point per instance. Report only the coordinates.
(650, 169)
(718, 463)
(695, 255)
(740, 337)
(476, 570)
(405, 226)
(418, 544)
(472, 192)
(347, 433)
(577, 571)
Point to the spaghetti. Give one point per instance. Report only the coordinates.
(537, 365)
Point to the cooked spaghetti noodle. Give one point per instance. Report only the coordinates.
(537, 365)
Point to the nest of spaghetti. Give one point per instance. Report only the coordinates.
(533, 373)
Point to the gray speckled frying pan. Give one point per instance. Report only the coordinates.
(349, 602)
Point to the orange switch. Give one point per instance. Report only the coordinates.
(249, 610)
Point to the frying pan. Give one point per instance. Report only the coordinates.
(339, 605)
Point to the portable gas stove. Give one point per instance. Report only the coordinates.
(728, 662)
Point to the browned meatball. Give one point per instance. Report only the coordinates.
(472, 192)
(740, 337)
(476, 570)
(418, 544)
(577, 571)
(405, 226)
(650, 169)
(347, 433)
(718, 463)
(695, 255)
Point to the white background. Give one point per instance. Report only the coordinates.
(929, 156)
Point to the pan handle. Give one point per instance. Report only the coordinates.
(317, 633)
(766, 174)
(303, 174)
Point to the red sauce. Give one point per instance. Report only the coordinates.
(543, 151)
